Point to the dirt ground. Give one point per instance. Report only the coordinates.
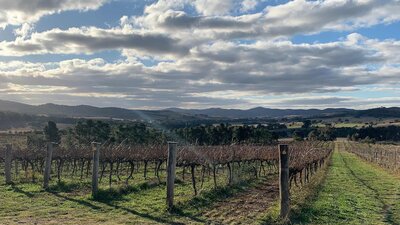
(245, 207)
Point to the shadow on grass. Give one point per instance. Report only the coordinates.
(19, 190)
(146, 215)
(118, 194)
(104, 195)
(111, 197)
(67, 187)
(117, 207)
(78, 201)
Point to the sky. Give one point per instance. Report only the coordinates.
(148, 54)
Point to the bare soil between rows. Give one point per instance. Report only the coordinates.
(245, 207)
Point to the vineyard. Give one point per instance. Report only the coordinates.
(122, 161)
(386, 156)
(204, 179)
(206, 169)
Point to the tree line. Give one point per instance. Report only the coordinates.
(377, 134)
(138, 133)
(88, 131)
(225, 134)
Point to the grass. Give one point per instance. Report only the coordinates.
(294, 125)
(348, 124)
(300, 197)
(141, 202)
(354, 192)
(28, 203)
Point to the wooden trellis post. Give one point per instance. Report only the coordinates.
(95, 174)
(47, 169)
(284, 181)
(7, 164)
(171, 167)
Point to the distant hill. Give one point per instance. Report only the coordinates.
(85, 111)
(178, 114)
(261, 112)
(380, 112)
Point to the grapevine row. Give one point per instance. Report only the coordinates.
(386, 156)
(121, 160)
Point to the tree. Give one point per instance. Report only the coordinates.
(90, 131)
(306, 124)
(322, 134)
(313, 135)
(298, 136)
(51, 132)
(225, 134)
(261, 135)
(243, 134)
(327, 134)
(137, 133)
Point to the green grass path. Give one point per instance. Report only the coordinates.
(354, 192)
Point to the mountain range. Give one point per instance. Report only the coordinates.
(84, 111)
(260, 112)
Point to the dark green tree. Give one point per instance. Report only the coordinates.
(298, 136)
(90, 131)
(306, 124)
(51, 132)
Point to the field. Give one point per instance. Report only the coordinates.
(71, 203)
(215, 185)
(350, 122)
(354, 192)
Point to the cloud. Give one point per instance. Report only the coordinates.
(302, 17)
(24, 31)
(302, 102)
(206, 56)
(18, 12)
(295, 17)
(180, 20)
(213, 8)
(283, 20)
(248, 5)
(222, 73)
(90, 39)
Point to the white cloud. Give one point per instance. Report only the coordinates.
(212, 7)
(245, 72)
(205, 58)
(90, 39)
(327, 101)
(301, 16)
(284, 20)
(248, 5)
(16, 12)
(24, 31)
